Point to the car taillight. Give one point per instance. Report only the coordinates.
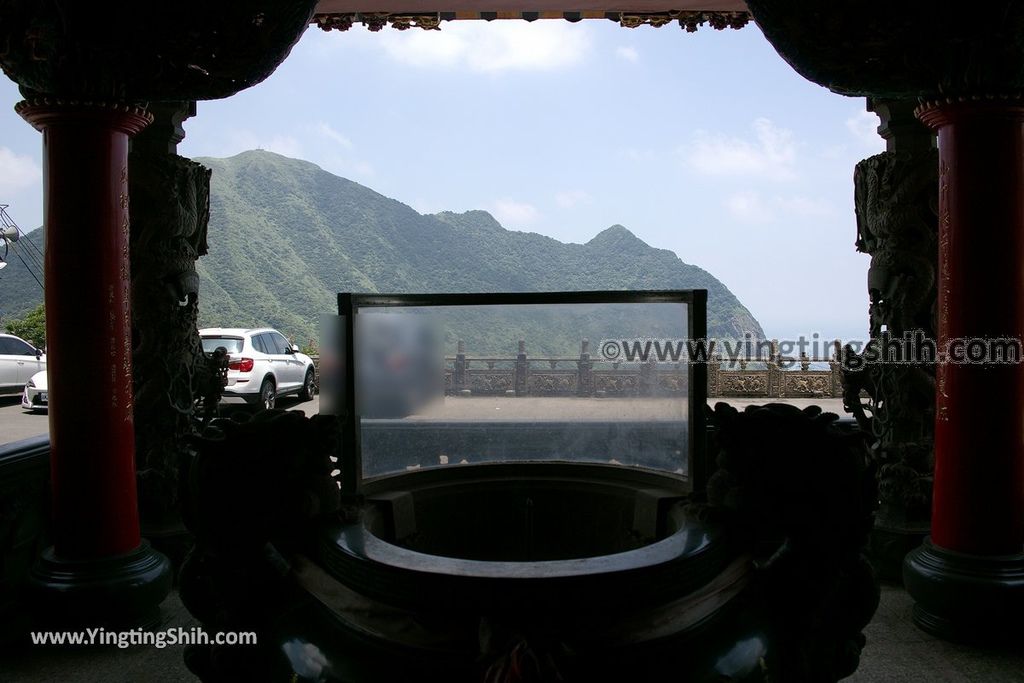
(240, 364)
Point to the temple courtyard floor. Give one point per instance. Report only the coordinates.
(896, 652)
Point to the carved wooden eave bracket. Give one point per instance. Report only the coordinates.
(688, 20)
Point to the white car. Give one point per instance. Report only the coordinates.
(262, 365)
(35, 396)
(19, 361)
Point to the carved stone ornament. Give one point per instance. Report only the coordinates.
(115, 51)
(497, 381)
(896, 202)
(169, 214)
(250, 493)
(552, 383)
(899, 49)
(688, 21)
(617, 384)
(742, 384)
(806, 384)
(800, 494)
(427, 22)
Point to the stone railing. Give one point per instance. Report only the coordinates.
(772, 379)
(553, 376)
(585, 376)
(582, 375)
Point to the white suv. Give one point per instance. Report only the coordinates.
(262, 365)
(19, 360)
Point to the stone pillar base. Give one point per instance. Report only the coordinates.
(173, 540)
(966, 598)
(889, 545)
(123, 591)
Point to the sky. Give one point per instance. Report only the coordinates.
(707, 144)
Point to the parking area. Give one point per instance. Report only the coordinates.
(16, 424)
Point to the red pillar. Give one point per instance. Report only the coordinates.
(968, 578)
(88, 333)
(979, 425)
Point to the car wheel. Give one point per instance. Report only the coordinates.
(268, 395)
(306, 394)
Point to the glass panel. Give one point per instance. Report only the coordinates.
(278, 343)
(265, 344)
(16, 347)
(230, 344)
(23, 348)
(439, 386)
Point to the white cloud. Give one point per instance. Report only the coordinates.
(751, 207)
(803, 206)
(628, 53)
(513, 214)
(864, 127)
(344, 163)
(571, 198)
(833, 152)
(327, 131)
(17, 172)
(491, 47)
(747, 207)
(772, 155)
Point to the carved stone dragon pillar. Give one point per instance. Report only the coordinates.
(968, 579)
(896, 201)
(169, 213)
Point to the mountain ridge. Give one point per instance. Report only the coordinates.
(285, 236)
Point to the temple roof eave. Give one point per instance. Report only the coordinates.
(429, 14)
(514, 6)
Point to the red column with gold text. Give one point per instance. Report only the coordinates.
(967, 579)
(979, 427)
(95, 532)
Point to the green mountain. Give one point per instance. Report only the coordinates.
(286, 236)
(19, 292)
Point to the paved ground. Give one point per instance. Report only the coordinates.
(896, 652)
(541, 409)
(16, 424)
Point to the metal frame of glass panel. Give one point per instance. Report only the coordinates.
(350, 460)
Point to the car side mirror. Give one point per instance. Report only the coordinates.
(290, 350)
(39, 354)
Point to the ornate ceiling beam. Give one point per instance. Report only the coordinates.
(689, 20)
